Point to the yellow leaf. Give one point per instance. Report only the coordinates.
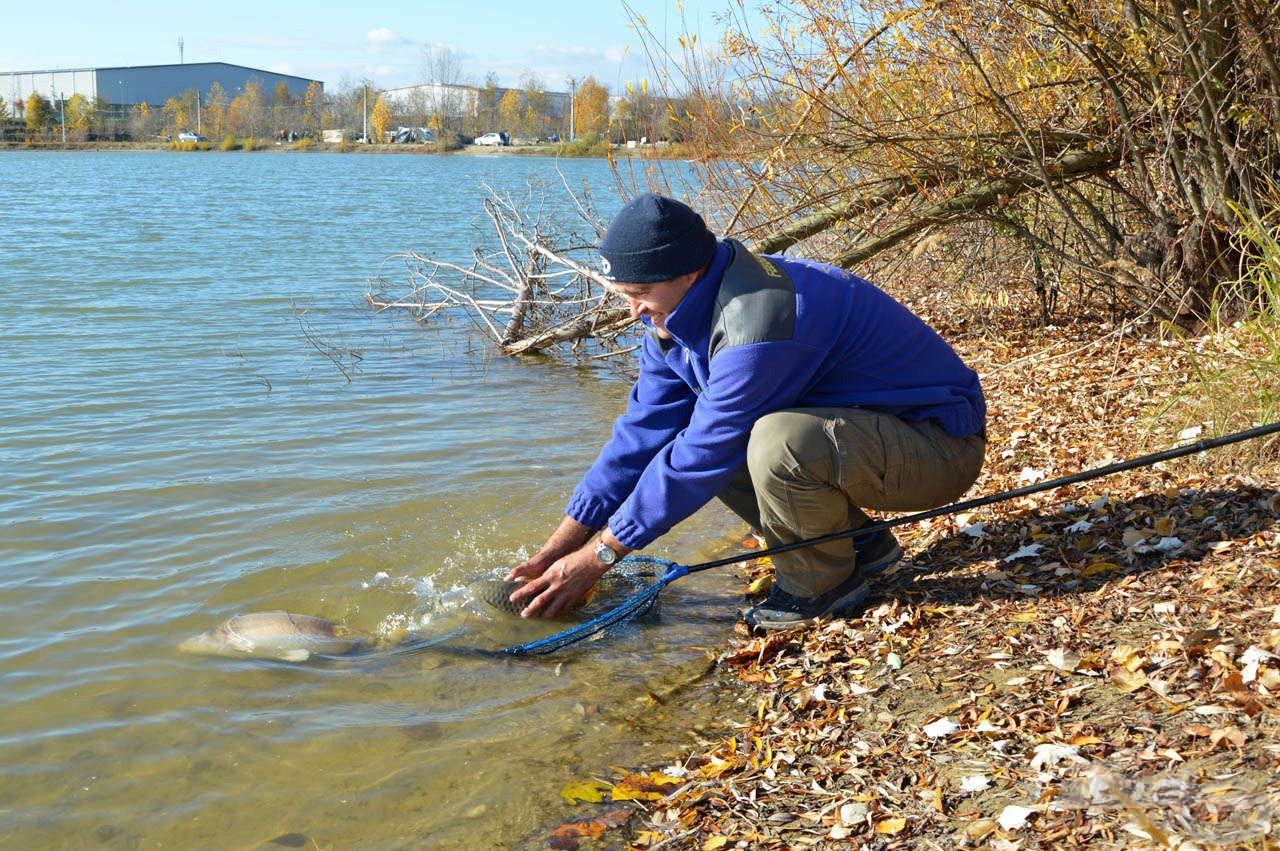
(1099, 567)
(761, 585)
(715, 842)
(890, 826)
(1023, 617)
(591, 791)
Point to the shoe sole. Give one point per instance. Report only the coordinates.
(838, 609)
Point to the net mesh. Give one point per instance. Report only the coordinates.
(632, 607)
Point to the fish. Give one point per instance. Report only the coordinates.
(283, 636)
(496, 593)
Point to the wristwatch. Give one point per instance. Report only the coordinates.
(606, 554)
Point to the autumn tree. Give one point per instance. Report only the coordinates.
(214, 113)
(590, 108)
(1110, 146)
(312, 112)
(283, 116)
(511, 111)
(488, 100)
(248, 113)
(536, 113)
(380, 119)
(179, 112)
(79, 116)
(38, 112)
(144, 122)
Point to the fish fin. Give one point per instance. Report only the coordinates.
(298, 655)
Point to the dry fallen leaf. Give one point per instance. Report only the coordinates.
(1025, 552)
(941, 728)
(1128, 681)
(1014, 817)
(1051, 753)
(1063, 659)
(645, 787)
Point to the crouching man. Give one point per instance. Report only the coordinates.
(796, 392)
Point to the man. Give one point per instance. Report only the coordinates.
(796, 392)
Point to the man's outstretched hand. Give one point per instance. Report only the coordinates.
(555, 585)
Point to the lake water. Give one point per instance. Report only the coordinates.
(176, 449)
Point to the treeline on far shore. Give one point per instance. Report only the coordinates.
(591, 145)
(445, 115)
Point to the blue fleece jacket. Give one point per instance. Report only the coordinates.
(770, 333)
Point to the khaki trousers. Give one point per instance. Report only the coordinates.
(811, 471)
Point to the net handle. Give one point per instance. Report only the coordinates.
(1074, 478)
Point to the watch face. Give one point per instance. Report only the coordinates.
(605, 554)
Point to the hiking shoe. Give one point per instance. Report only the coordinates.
(781, 610)
(876, 552)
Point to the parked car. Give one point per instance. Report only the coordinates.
(188, 136)
(493, 139)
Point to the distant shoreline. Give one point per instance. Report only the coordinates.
(527, 150)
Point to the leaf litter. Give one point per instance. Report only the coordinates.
(1095, 667)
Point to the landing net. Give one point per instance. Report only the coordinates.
(632, 607)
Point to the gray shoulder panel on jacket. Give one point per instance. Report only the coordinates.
(756, 303)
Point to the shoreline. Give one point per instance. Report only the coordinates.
(528, 150)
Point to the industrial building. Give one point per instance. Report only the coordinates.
(131, 85)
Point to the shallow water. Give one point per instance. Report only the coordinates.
(175, 451)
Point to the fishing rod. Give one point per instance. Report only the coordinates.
(646, 598)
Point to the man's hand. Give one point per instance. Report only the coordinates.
(557, 587)
(569, 536)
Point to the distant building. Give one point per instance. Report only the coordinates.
(456, 101)
(135, 84)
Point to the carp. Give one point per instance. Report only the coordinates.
(284, 636)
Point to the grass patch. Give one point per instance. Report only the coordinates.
(587, 145)
(1235, 378)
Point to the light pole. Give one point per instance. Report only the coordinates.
(62, 111)
(122, 104)
(573, 104)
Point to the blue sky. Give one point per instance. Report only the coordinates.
(380, 40)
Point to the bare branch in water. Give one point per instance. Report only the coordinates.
(532, 289)
(346, 359)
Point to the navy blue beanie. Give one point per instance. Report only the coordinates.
(655, 239)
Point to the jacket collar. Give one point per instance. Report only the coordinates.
(690, 321)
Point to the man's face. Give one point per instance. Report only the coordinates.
(656, 301)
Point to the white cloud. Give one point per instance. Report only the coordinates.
(383, 39)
